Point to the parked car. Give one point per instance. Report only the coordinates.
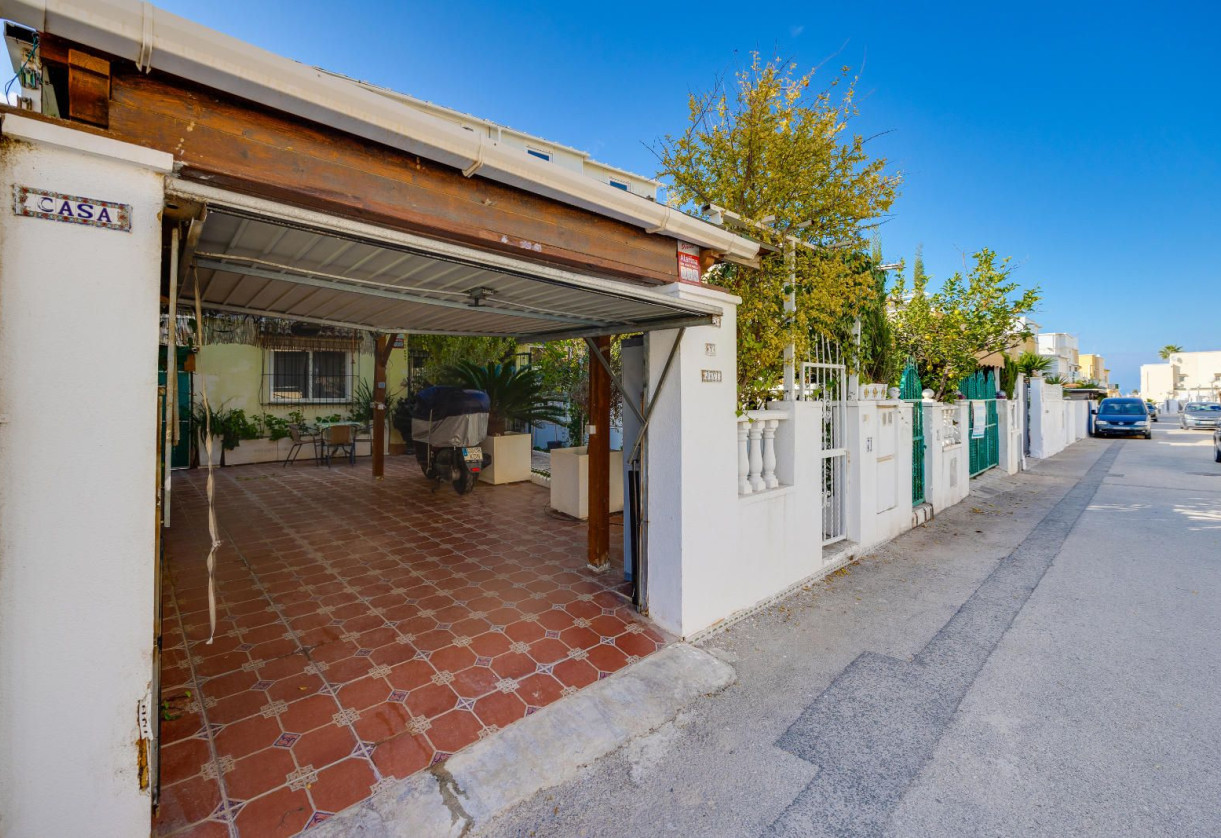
(1153, 411)
(1122, 417)
(1200, 415)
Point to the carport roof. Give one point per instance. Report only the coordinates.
(260, 257)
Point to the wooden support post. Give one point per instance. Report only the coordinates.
(381, 355)
(599, 459)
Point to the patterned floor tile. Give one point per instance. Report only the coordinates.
(370, 644)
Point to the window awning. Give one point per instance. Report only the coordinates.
(260, 257)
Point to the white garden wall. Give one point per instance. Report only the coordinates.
(1010, 430)
(1055, 422)
(1048, 423)
(879, 490)
(946, 458)
(77, 518)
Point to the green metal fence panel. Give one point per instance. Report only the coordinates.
(984, 434)
(912, 390)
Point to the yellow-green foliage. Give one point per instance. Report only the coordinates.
(775, 152)
(947, 331)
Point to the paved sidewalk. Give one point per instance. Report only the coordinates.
(968, 678)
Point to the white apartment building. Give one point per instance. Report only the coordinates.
(1061, 348)
(1187, 376)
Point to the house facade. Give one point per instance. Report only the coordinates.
(1061, 349)
(159, 169)
(1093, 368)
(1186, 376)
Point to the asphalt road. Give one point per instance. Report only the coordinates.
(1042, 659)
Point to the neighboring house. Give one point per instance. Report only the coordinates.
(1061, 348)
(1094, 368)
(1187, 376)
(997, 359)
(1159, 381)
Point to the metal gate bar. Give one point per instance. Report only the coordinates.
(825, 380)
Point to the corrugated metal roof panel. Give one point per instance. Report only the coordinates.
(282, 267)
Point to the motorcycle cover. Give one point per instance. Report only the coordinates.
(450, 417)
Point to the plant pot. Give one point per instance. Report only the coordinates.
(510, 458)
(218, 452)
(570, 481)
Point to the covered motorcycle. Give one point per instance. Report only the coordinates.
(448, 426)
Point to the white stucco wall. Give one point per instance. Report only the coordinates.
(879, 490)
(692, 470)
(1010, 435)
(1049, 431)
(78, 385)
(779, 531)
(947, 467)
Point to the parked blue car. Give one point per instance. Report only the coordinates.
(1122, 417)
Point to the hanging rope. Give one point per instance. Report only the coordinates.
(211, 486)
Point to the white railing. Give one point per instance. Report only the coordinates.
(757, 450)
(951, 431)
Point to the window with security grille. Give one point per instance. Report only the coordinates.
(319, 376)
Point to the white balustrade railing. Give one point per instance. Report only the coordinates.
(757, 450)
(951, 431)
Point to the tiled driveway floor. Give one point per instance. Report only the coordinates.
(365, 631)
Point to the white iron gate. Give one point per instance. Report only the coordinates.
(824, 378)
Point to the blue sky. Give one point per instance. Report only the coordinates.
(1082, 139)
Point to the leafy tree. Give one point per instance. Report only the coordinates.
(877, 358)
(778, 154)
(1169, 349)
(948, 330)
(564, 366)
(446, 350)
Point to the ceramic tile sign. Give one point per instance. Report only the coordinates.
(71, 209)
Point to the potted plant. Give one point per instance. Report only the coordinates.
(516, 396)
(362, 410)
(227, 427)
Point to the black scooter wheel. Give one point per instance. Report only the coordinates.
(465, 483)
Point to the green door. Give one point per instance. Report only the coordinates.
(984, 421)
(912, 390)
(180, 455)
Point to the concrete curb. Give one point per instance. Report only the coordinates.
(538, 752)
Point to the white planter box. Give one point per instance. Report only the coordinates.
(510, 458)
(570, 481)
(256, 451)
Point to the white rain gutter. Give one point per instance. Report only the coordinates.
(154, 38)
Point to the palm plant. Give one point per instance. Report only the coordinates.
(1030, 363)
(515, 395)
(1169, 349)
